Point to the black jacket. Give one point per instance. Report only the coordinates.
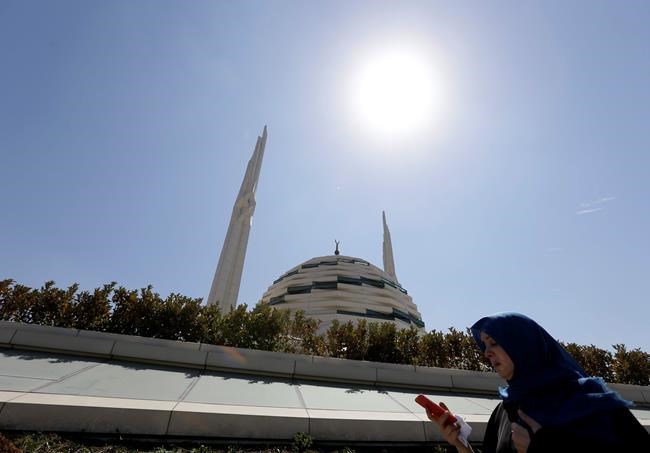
(625, 432)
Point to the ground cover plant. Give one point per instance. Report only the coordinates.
(17, 442)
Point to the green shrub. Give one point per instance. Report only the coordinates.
(348, 340)
(301, 442)
(595, 361)
(631, 367)
(381, 342)
(177, 317)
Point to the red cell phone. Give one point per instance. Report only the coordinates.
(436, 410)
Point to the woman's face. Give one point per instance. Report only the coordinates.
(498, 357)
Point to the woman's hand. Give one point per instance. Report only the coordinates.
(520, 435)
(449, 431)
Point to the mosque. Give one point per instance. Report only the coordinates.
(327, 288)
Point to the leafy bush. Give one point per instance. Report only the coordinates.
(595, 361)
(301, 442)
(177, 317)
(631, 367)
(381, 340)
(347, 340)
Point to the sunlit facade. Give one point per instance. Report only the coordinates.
(343, 288)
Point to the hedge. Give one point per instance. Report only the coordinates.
(144, 312)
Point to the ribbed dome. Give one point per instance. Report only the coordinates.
(343, 288)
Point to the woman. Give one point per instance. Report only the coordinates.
(549, 405)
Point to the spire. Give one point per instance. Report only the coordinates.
(389, 262)
(227, 278)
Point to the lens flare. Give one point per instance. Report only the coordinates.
(396, 93)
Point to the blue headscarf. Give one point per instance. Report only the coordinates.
(548, 384)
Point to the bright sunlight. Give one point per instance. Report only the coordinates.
(396, 93)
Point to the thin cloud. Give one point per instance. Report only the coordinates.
(588, 207)
(600, 201)
(587, 211)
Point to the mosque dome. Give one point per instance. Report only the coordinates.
(343, 288)
(327, 287)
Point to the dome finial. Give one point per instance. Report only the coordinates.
(336, 252)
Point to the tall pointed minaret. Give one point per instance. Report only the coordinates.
(227, 278)
(389, 262)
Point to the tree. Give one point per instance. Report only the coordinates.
(631, 367)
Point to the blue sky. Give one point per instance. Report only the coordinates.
(125, 129)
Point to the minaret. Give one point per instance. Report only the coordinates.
(389, 262)
(227, 278)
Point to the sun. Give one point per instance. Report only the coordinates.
(395, 93)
